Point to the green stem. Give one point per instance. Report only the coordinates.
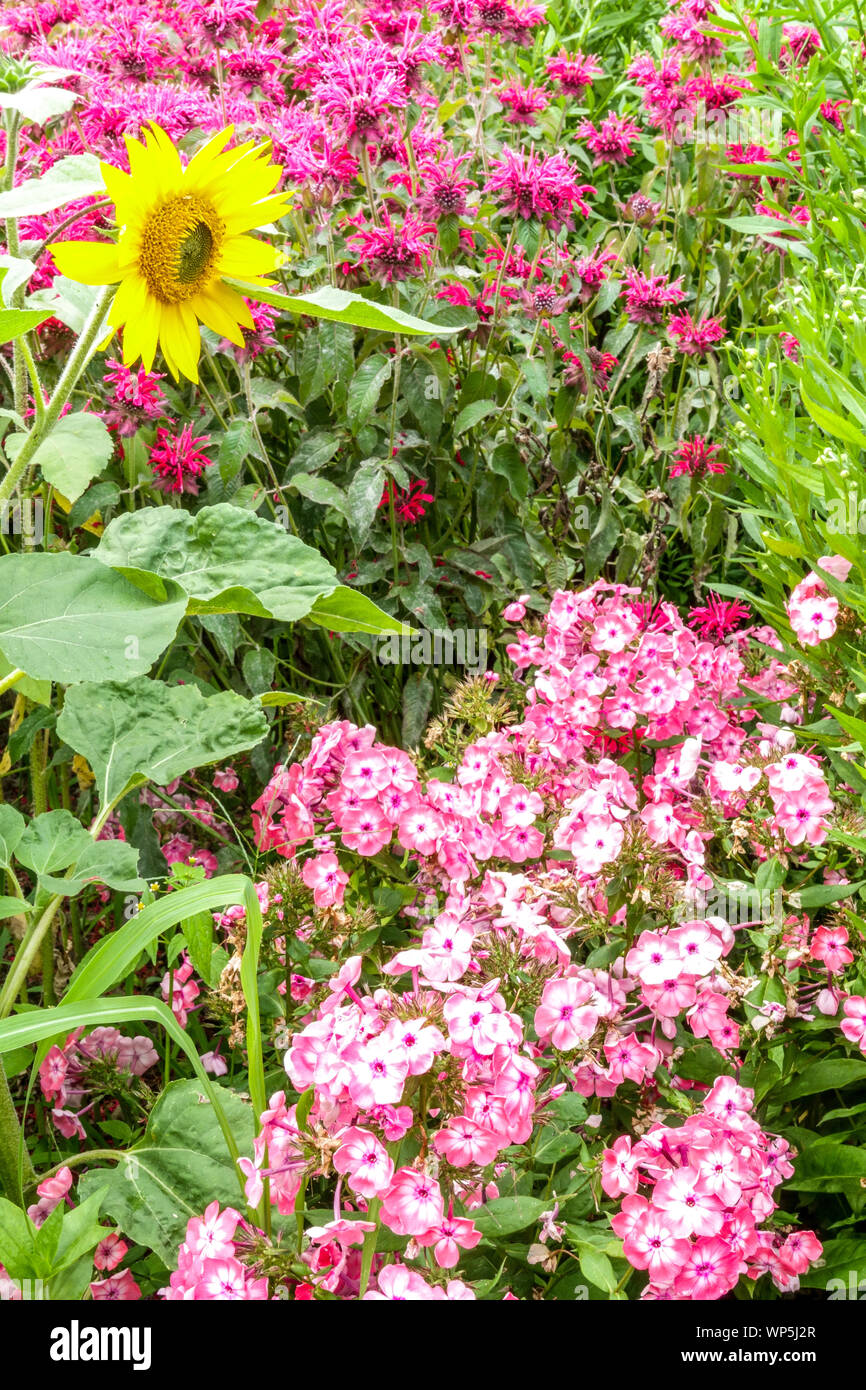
(368, 181)
(395, 554)
(63, 390)
(11, 679)
(32, 940)
(369, 1249)
(38, 396)
(76, 1161)
(19, 377)
(39, 799)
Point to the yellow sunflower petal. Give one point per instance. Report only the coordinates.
(230, 301)
(243, 256)
(214, 317)
(169, 157)
(129, 301)
(88, 262)
(117, 183)
(244, 183)
(146, 334)
(179, 334)
(170, 362)
(204, 159)
(269, 210)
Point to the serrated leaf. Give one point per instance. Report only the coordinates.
(417, 699)
(67, 618)
(472, 414)
(364, 495)
(226, 559)
(322, 491)
(52, 841)
(506, 461)
(176, 1171)
(144, 730)
(365, 389)
(75, 452)
(111, 862)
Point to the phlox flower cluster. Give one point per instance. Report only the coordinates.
(546, 783)
(812, 610)
(208, 1268)
(699, 1222)
(76, 1075)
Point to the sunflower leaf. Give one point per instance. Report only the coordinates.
(77, 176)
(75, 452)
(38, 103)
(67, 618)
(132, 732)
(228, 560)
(344, 307)
(14, 323)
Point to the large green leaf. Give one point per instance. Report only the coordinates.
(68, 301)
(344, 307)
(829, 1166)
(143, 730)
(844, 1260)
(829, 1075)
(66, 618)
(76, 176)
(180, 1166)
(111, 862)
(14, 323)
(75, 452)
(506, 1215)
(39, 104)
(227, 560)
(347, 610)
(52, 841)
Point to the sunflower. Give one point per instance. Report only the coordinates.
(182, 230)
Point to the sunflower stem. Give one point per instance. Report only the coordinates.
(10, 680)
(19, 377)
(368, 183)
(62, 391)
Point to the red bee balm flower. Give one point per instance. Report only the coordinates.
(695, 339)
(177, 460)
(408, 503)
(696, 457)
